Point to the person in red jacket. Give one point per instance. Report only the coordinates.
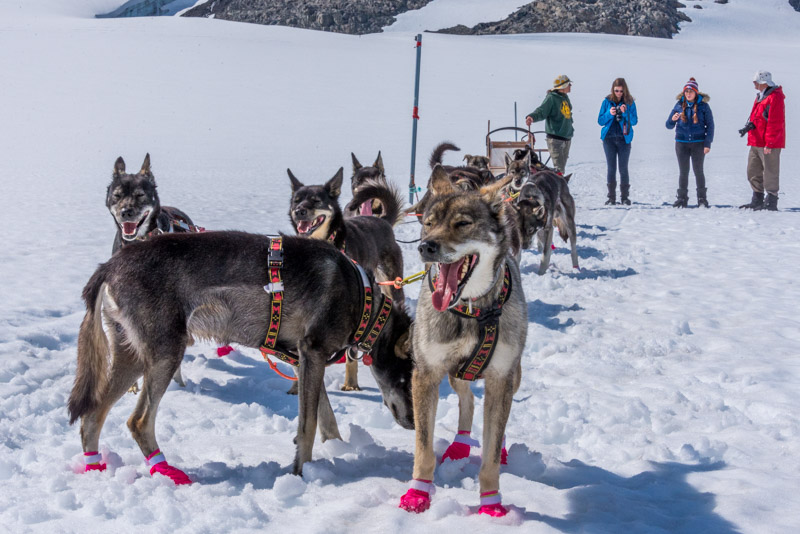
(766, 137)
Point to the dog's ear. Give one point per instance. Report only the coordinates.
(440, 183)
(528, 158)
(493, 194)
(145, 170)
(356, 164)
(296, 184)
(539, 212)
(508, 159)
(334, 185)
(402, 349)
(567, 177)
(467, 156)
(119, 166)
(379, 163)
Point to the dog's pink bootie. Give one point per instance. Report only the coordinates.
(418, 497)
(494, 510)
(552, 247)
(158, 464)
(503, 456)
(459, 449)
(224, 351)
(92, 462)
(490, 504)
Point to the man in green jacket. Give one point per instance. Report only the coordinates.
(556, 111)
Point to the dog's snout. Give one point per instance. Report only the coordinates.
(127, 212)
(428, 247)
(301, 212)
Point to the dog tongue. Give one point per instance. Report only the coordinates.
(129, 228)
(303, 226)
(366, 208)
(446, 284)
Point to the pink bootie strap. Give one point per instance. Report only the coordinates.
(156, 457)
(464, 437)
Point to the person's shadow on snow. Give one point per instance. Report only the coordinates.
(660, 500)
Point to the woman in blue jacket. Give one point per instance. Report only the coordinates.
(617, 117)
(694, 132)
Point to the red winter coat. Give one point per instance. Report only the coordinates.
(770, 121)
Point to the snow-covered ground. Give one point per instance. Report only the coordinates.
(660, 383)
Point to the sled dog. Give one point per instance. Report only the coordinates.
(158, 295)
(547, 193)
(476, 301)
(314, 211)
(375, 175)
(479, 162)
(132, 200)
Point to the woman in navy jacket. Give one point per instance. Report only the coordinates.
(617, 117)
(694, 131)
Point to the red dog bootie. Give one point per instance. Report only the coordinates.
(490, 504)
(224, 351)
(158, 464)
(418, 498)
(504, 453)
(92, 462)
(459, 449)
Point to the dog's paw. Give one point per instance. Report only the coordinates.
(494, 510)
(503, 456)
(175, 474)
(134, 388)
(351, 388)
(94, 467)
(456, 451)
(416, 501)
(224, 351)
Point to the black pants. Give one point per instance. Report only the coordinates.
(693, 152)
(616, 148)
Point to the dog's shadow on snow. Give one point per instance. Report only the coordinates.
(546, 314)
(658, 500)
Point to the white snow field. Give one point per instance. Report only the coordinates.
(661, 382)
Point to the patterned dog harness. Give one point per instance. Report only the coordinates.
(488, 319)
(369, 328)
(175, 225)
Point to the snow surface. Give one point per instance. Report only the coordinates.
(660, 383)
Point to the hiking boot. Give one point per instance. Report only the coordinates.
(701, 198)
(756, 203)
(612, 194)
(624, 189)
(683, 199)
(771, 202)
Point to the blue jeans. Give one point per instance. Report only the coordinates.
(616, 148)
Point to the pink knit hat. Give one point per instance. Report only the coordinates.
(691, 84)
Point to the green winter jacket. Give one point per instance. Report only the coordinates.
(556, 111)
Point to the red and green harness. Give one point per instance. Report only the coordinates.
(366, 334)
(488, 319)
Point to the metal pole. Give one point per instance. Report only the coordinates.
(515, 121)
(411, 186)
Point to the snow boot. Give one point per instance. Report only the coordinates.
(702, 202)
(770, 202)
(612, 194)
(683, 199)
(624, 189)
(756, 203)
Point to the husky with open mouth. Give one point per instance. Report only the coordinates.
(132, 199)
(471, 323)
(315, 212)
(369, 176)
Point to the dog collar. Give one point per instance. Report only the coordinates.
(488, 318)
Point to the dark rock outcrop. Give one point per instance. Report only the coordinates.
(795, 4)
(341, 16)
(649, 18)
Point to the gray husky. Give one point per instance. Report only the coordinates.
(155, 297)
(548, 194)
(475, 306)
(362, 177)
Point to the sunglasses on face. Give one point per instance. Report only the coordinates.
(619, 91)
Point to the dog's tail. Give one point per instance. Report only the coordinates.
(438, 152)
(91, 376)
(387, 194)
